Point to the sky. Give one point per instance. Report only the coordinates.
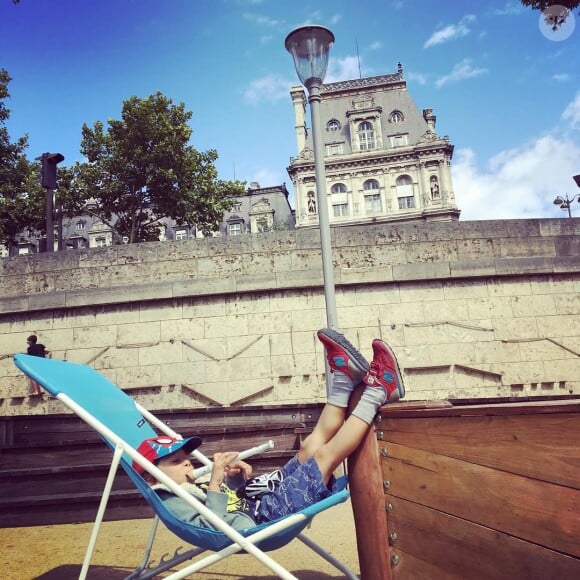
(504, 87)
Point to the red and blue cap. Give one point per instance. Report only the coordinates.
(160, 446)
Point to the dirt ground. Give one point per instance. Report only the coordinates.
(57, 552)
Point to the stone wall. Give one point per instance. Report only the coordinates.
(472, 309)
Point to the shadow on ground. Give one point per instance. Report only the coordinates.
(72, 571)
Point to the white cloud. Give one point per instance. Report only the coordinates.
(572, 112)
(261, 19)
(461, 71)
(267, 177)
(336, 18)
(510, 9)
(419, 78)
(561, 77)
(516, 183)
(342, 69)
(269, 88)
(375, 45)
(450, 32)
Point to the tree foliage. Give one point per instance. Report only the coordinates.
(21, 197)
(541, 5)
(142, 169)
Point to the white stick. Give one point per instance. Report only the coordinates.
(243, 455)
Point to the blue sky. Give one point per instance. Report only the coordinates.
(504, 90)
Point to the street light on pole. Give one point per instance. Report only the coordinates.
(564, 202)
(309, 46)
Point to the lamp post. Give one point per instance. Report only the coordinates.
(564, 202)
(309, 46)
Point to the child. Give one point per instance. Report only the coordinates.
(308, 477)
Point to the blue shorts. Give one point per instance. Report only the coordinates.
(302, 486)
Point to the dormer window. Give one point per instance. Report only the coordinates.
(366, 136)
(396, 117)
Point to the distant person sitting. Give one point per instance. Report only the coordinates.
(35, 348)
(308, 476)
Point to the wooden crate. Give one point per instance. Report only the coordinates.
(482, 491)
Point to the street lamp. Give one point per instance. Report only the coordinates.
(564, 202)
(309, 46)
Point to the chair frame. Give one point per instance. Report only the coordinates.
(33, 367)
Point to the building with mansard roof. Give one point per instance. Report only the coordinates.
(384, 160)
(258, 210)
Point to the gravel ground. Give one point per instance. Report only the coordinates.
(57, 552)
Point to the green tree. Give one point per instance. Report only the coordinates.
(21, 197)
(142, 169)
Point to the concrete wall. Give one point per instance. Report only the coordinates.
(472, 309)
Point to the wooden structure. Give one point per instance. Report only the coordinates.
(479, 491)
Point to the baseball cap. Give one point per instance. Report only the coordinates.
(161, 446)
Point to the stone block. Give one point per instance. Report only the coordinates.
(217, 327)
(490, 308)
(473, 268)
(207, 287)
(524, 265)
(256, 282)
(202, 306)
(354, 275)
(428, 291)
(94, 336)
(9, 305)
(138, 334)
(151, 292)
(421, 271)
(160, 310)
(533, 305)
(377, 294)
(299, 279)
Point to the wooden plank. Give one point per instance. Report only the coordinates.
(545, 446)
(569, 405)
(430, 541)
(540, 512)
(410, 567)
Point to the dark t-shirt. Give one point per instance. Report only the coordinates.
(37, 350)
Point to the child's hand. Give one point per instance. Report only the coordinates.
(239, 466)
(220, 468)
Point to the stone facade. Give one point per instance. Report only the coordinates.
(472, 309)
(383, 159)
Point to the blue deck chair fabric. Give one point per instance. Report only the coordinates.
(117, 411)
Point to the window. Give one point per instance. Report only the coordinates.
(23, 251)
(338, 188)
(333, 126)
(371, 184)
(366, 136)
(100, 242)
(237, 206)
(406, 202)
(181, 234)
(334, 149)
(373, 203)
(235, 229)
(399, 140)
(396, 117)
(340, 209)
(80, 225)
(405, 193)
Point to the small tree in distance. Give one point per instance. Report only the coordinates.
(142, 169)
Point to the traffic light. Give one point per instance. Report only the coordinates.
(49, 162)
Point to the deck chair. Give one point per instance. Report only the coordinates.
(123, 424)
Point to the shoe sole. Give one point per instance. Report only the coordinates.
(401, 388)
(358, 360)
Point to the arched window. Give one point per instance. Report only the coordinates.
(372, 197)
(332, 126)
(371, 184)
(405, 192)
(396, 117)
(366, 136)
(338, 188)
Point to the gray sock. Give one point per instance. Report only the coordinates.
(340, 390)
(370, 401)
